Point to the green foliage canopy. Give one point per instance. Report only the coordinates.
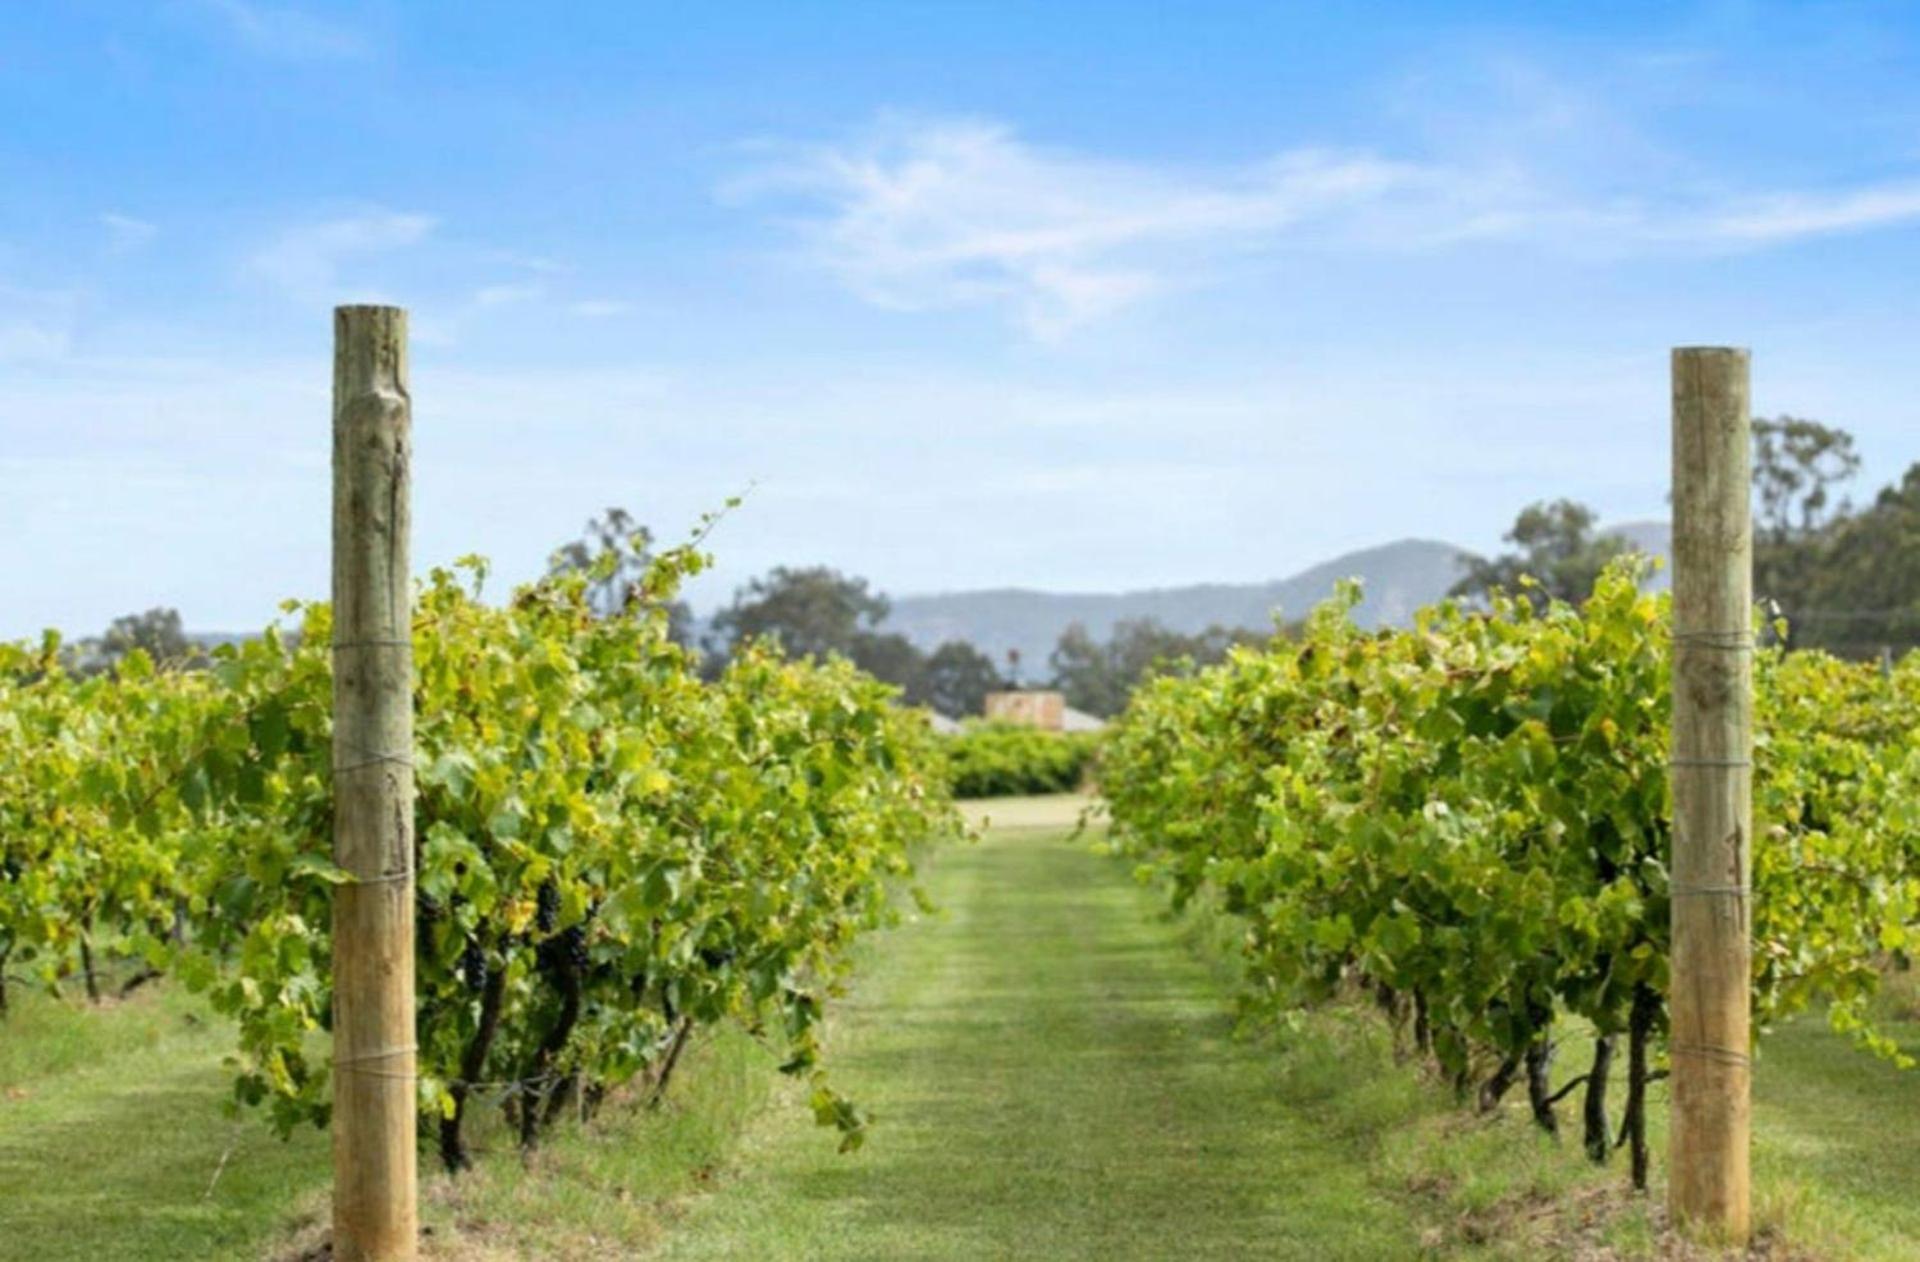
(611, 850)
(1474, 813)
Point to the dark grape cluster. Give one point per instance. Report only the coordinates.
(563, 953)
(473, 965)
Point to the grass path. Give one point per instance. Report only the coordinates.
(1054, 1069)
(113, 1143)
(1055, 1078)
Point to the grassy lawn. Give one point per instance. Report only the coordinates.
(113, 1143)
(1832, 1179)
(1056, 1072)
(1834, 1156)
(1056, 1077)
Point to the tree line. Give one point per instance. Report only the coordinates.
(1844, 578)
(819, 611)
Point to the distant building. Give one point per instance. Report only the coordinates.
(1045, 710)
(1029, 708)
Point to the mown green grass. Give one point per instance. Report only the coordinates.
(1836, 1157)
(1057, 1074)
(607, 1190)
(113, 1143)
(1059, 1077)
(1833, 1172)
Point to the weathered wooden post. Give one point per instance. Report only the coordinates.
(375, 1215)
(1712, 792)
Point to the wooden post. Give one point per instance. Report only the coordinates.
(375, 1215)
(1712, 792)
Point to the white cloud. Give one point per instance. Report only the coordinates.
(1790, 216)
(936, 213)
(289, 33)
(919, 214)
(305, 262)
(125, 233)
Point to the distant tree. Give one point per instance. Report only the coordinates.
(1865, 592)
(893, 659)
(1555, 544)
(958, 679)
(811, 611)
(614, 554)
(818, 611)
(1083, 669)
(1837, 574)
(1098, 678)
(158, 632)
(1798, 465)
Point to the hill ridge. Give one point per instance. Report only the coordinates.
(1397, 578)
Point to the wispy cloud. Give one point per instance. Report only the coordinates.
(1788, 217)
(306, 261)
(126, 234)
(288, 33)
(932, 213)
(453, 288)
(918, 214)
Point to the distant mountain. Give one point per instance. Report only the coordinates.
(1397, 579)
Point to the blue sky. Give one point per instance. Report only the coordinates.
(1080, 296)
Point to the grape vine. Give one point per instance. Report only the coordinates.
(1470, 820)
(612, 851)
